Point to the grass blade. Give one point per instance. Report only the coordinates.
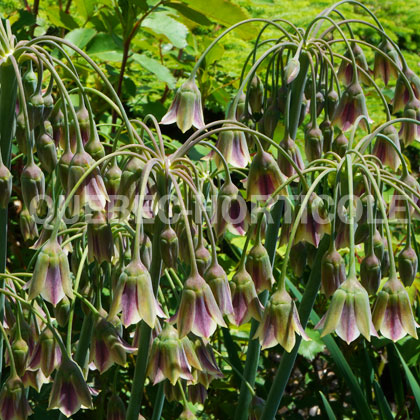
(328, 409)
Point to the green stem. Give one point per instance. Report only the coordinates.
(159, 402)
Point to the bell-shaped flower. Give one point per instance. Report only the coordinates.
(217, 279)
(392, 313)
(349, 313)
(100, 239)
(51, 276)
(398, 205)
(20, 351)
(245, 300)
(207, 361)
(233, 146)
(383, 67)
(92, 190)
(46, 149)
(27, 224)
(198, 311)
(291, 148)
(410, 131)
(33, 186)
(370, 273)
(169, 247)
(5, 185)
(402, 92)
(47, 353)
(13, 402)
(314, 142)
(351, 106)
(259, 267)
(407, 265)
(108, 347)
(384, 151)
(69, 392)
(134, 296)
(264, 177)
(314, 222)
(280, 323)
(333, 271)
(231, 210)
(186, 109)
(115, 409)
(171, 357)
(298, 259)
(345, 71)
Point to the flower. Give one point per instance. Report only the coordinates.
(245, 301)
(5, 185)
(46, 149)
(169, 247)
(217, 279)
(33, 186)
(314, 141)
(340, 144)
(134, 296)
(352, 105)
(186, 109)
(345, 71)
(387, 66)
(407, 265)
(107, 346)
(116, 408)
(13, 402)
(290, 147)
(291, 70)
(370, 273)
(398, 205)
(280, 323)
(259, 267)
(385, 152)
(69, 392)
(410, 131)
(198, 311)
(47, 353)
(392, 314)
(255, 94)
(349, 313)
(402, 93)
(171, 357)
(100, 239)
(51, 276)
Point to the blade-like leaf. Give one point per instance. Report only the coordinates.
(161, 72)
(328, 409)
(384, 409)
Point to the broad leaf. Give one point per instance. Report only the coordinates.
(80, 37)
(160, 71)
(105, 47)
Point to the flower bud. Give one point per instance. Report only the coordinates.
(27, 225)
(116, 408)
(95, 147)
(392, 314)
(290, 147)
(20, 351)
(46, 151)
(202, 258)
(333, 272)
(186, 109)
(33, 186)
(51, 276)
(169, 247)
(385, 152)
(217, 279)
(5, 185)
(13, 402)
(29, 80)
(268, 122)
(410, 132)
(198, 311)
(378, 244)
(58, 127)
(259, 267)
(69, 392)
(297, 259)
(245, 300)
(20, 134)
(48, 106)
(256, 94)
(84, 123)
(63, 168)
(340, 144)
(314, 141)
(62, 311)
(100, 239)
(291, 70)
(280, 323)
(35, 105)
(407, 265)
(352, 105)
(398, 206)
(370, 273)
(264, 177)
(331, 102)
(187, 414)
(327, 131)
(383, 68)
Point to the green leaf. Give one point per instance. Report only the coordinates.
(191, 14)
(386, 413)
(309, 349)
(85, 8)
(160, 71)
(80, 37)
(162, 24)
(60, 19)
(105, 47)
(224, 12)
(328, 408)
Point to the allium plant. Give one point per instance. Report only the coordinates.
(130, 226)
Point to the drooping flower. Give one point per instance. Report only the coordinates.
(340, 144)
(290, 147)
(256, 94)
(383, 68)
(5, 185)
(46, 149)
(314, 142)
(115, 409)
(385, 152)
(268, 122)
(245, 300)
(186, 109)
(13, 402)
(280, 323)
(169, 247)
(327, 131)
(47, 353)
(108, 347)
(259, 267)
(33, 186)
(20, 351)
(345, 71)
(264, 177)
(198, 311)
(349, 313)
(51, 276)
(171, 357)
(69, 392)
(100, 239)
(291, 70)
(392, 313)
(134, 296)
(410, 131)
(352, 105)
(398, 205)
(370, 272)
(402, 93)
(217, 279)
